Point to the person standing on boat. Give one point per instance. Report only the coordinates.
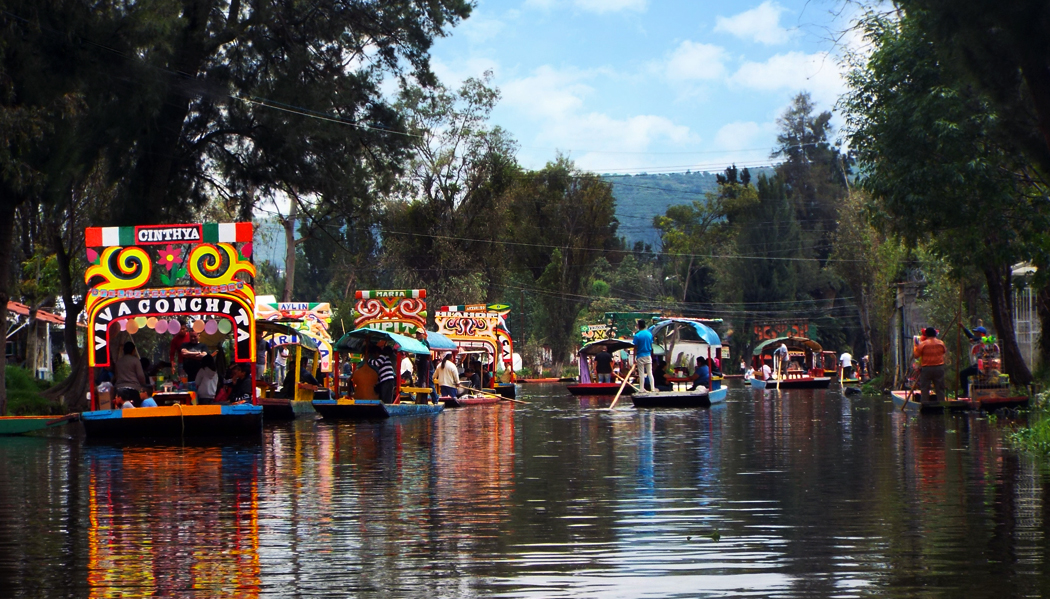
(447, 376)
(930, 351)
(846, 363)
(383, 363)
(603, 365)
(424, 375)
(129, 371)
(783, 358)
(643, 356)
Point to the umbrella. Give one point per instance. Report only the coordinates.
(439, 341)
(355, 341)
(591, 348)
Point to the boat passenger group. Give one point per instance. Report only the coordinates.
(193, 367)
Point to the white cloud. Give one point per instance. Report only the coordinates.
(553, 102)
(480, 28)
(693, 61)
(454, 76)
(597, 6)
(816, 73)
(547, 93)
(760, 24)
(743, 136)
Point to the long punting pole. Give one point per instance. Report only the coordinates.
(622, 385)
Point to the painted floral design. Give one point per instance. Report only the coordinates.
(169, 257)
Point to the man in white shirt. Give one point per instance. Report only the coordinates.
(846, 363)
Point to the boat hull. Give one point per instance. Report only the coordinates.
(470, 400)
(756, 384)
(371, 408)
(598, 389)
(818, 382)
(679, 399)
(239, 420)
(911, 402)
(508, 390)
(20, 425)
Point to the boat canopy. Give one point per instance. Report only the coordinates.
(438, 341)
(772, 344)
(593, 348)
(689, 330)
(355, 341)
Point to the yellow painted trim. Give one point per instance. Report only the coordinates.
(172, 411)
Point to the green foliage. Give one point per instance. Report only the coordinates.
(23, 394)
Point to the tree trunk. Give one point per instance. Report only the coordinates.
(7, 229)
(289, 256)
(1000, 296)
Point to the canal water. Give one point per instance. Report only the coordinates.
(801, 494)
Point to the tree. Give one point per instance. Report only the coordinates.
(564, 221)
(936, 175)
(1004, 48)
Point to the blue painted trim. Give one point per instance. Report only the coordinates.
(718, 395)
(102, 414)
(241, 409)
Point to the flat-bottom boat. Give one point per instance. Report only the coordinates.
(280, 408)
(20, 425)
(469, 400)
(802, 382)
(598, 389)
(680, 399)
(236, 420)
(756, 383)
(372, 408)
(508, 390)
(911, 401)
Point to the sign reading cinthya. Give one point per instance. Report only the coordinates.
(227, 306)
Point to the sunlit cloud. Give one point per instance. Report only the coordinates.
(760, 24)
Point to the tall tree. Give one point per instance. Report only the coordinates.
(564, 221)
(926, 141)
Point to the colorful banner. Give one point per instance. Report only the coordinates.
(396, 311)
(775, 330)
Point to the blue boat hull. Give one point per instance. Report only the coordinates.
(372, 408)
(679, 399)
(239, 420)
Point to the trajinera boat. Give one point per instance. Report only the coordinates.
(587, 384)
(805, 367)
(480, 333)
(392, 316)
(282, 396)
(680, 341)
(205, 274)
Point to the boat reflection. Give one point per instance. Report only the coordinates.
(170, 521)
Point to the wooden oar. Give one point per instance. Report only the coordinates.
(483, 392)
(780, 370)
(622, 385)
(631, 385)
(911, 392)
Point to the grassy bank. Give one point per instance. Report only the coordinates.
(23, 394)
(1035, 438)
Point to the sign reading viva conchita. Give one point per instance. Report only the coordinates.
(221, 305)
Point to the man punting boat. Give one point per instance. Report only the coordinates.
(681, 343)
(599, 352)
(205, 285)
(796, 362)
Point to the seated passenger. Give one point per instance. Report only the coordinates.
(365, 379)
(127, 397)
(701, 375)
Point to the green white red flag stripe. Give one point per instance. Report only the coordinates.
(165, 234)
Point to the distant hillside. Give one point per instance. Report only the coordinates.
(639, 198)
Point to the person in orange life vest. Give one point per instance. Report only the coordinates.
(930, 351)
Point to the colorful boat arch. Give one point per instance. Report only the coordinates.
(394, 311)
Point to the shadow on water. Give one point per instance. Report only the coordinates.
(789, 494)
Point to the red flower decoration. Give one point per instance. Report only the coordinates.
(92, 255)
(169, 257)
(246, 250)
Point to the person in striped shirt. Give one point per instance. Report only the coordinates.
(382, 362)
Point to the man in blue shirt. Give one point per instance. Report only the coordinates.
(643, 354)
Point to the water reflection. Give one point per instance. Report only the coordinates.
(789, 494)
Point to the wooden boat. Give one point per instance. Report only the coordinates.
(479, 333)
(679, 399)
(204, 290)
(218, 421)
(934, 406)
(302, 329)
(541, 380)
(587, 386)
(756, 383)
(349, 408)
(806, 370)
(469, 400)
(508, 390)
(20, 425)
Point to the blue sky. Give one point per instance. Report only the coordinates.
(630, 86)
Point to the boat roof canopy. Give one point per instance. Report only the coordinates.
(593, 348)
(791, 342)
(356, 340)
(690, 330)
